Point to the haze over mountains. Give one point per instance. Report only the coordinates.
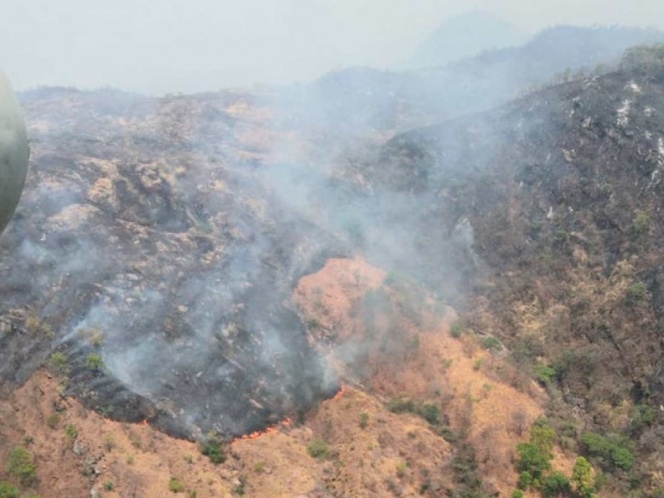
(464, 36)
(208, 45)
(426, 282)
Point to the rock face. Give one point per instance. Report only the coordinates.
(13, 152)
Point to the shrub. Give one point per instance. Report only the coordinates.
(318, 448)
(456, 330)
(544, 373)
(555, 484)
(535, 456)
(175, 485)
(582, 477)
(622, 458)
(609, 450)
(517, 493)
(641, 224)
(491, 343)
(94, 362)
(525, 480)
(53, 420)
(33, 324)
(595, 444)
(364, 420)
(401, 405)
(8, 491)
(213, 450)
(71, 431)
(22, 466)
(430, 413)
(239, 488)
(635, 293)
(642, 416)
(532, 460)
(542, 436)
(108, 486)
(402, 467)
(59, 363)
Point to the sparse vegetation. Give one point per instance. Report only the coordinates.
(239, 489)
(175, 485)
(109, 442)
(22, 466)
(642, 416)
(641, 225)
(8, 491)
(317, 448)
(59, 363)
(364, 420)
(636, 293)
(430, 413)
(94, 362)
(34, 326)
(644, 57)
(213, 450)
(71, 431)
(53, 420)
(94, 337)
(402, 468)
(491, 344)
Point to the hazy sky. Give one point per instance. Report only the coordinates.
(159, 46)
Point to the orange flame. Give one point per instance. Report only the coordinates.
(340, 393)
(257, 434)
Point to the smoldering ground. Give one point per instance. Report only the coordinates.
(159, 240)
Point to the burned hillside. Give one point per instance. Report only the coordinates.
(562, 193)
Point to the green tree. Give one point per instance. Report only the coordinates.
(555, 484)
(542, 436)
(532, 460)
(622, 457)
(525, 480)
(582, 477)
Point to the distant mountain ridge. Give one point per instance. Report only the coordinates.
(375, 98)
(465, 35)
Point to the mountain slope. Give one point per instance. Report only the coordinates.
(562, 192)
